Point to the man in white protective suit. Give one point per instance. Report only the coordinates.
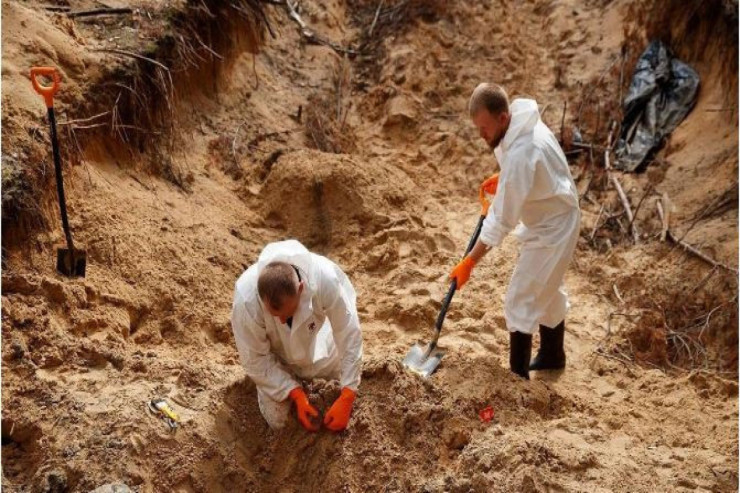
(535, 187)
(295, 318)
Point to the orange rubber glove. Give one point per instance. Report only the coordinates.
(307, 414)
(462, 271)
(491, 185)
(338, 416)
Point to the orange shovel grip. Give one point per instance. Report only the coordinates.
(489, 185)
(46, 91)
(484, 203)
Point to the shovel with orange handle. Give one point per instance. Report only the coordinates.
(425, 358)
(70, 262)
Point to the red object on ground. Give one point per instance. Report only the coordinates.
(486, 414)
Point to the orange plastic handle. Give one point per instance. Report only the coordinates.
(46, 91)
(484, 203)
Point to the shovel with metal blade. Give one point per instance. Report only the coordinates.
(425, 358)
(70, 261)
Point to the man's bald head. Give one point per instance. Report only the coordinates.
(492, 97)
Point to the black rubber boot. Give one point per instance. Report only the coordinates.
(520, 351)
(551, 355)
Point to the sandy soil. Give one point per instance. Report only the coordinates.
(81, 357)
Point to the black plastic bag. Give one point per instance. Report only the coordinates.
(662, 92)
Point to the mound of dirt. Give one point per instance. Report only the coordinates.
(400, 423)
(327, 200)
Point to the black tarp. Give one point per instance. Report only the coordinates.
(662, 92)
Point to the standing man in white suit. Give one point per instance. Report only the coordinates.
(536, 189)
(295, 318)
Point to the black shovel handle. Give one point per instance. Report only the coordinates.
(48, 92)
(60, 181)
(453, 285)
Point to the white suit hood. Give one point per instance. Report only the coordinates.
(289, 251)
(524, 116)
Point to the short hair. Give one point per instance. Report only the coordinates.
(489, 96)
(276, 282)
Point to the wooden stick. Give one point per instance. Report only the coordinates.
(562, 120)
(664, 220)
(627, 208)
(57, 8)
(596, 224)
(233, 143)
(700, 254)
(311, 36)
(133, 55)
(375, 20)
(665, 216)
(608, 149)
(83, 120)
(709, 209)
(616, 292)
(588, 145)
(584, 194)
(705, 280)
(621, 77)
(86, 127)
(691, 249)
(207, 48)
(94, 12)
(709, 316)
(637, 209)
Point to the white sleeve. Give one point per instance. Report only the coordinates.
(339, 306)
(514, 186)
(261, 365)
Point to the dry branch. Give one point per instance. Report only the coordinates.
(562, 121)
(375, 19)
(691, 249)
(639, 204)
(83, 120)
(596, 224)
(663, 220)
(627, 208)
(136, 55)
(96, 12)
(608, 149)
(309, 35)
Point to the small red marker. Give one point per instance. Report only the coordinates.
(486, 414)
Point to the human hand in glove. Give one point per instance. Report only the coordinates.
(462, 271)
(307, 414)
(490, 185)
(338, 416)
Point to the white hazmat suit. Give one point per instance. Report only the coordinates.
(324, 340)
(535, 188)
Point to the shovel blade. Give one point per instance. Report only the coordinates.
(71, 265)
(423, 360)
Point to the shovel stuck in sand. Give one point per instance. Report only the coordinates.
(71, 261)
(424, 358)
